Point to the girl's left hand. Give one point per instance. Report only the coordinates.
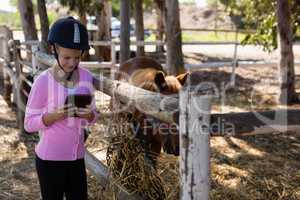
(85, 113)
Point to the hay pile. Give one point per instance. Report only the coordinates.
(125, 159)
(129, 169)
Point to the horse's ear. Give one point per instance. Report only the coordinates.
(182, 77)
(160, 80)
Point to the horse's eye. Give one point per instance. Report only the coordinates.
(163, 87)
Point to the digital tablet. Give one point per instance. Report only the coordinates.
(79, 100)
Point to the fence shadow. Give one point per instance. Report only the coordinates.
(240, 96)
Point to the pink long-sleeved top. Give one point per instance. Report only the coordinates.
(63, 140)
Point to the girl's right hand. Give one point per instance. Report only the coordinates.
(59, 114)
(65, 111)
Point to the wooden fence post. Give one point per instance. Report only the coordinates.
(7, 87)
(194, 145)
(20, 104)
(37, 67)
(6, 35)
(35, 64)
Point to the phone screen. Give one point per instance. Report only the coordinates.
(79, 100)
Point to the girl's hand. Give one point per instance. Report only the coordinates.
(59, 114)
(85, 113)
(66, 111)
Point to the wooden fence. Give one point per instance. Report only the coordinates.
(151, 103)
(191, 111)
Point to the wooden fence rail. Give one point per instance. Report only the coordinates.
(166, 109)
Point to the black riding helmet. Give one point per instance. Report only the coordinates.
(68, 33)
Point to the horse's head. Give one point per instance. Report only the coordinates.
(147, 73)
(169, 85)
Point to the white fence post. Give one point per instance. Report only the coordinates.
(113, 68)
(234, 64)
(35, 67)
(194, 145)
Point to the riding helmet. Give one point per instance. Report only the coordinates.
(69, 33)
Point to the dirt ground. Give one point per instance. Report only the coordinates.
(251, 167)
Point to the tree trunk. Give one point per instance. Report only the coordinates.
(287, 93)
(103, 18)
(125, 31)
(139, 26)
(27, 19)
(173, 34)
(44, 22)
(83, 20)
(160, 23)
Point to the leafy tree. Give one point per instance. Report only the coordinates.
(287, 92)
(275, 22)
(261, 16)
(27, 19)
(173, 35)
(82, 7)
(115, 8)
(103, 20)
(139, 25)
(147, 4)
(44, 23)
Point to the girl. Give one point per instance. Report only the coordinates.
(60, 151)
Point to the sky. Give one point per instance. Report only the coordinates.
(201, 3)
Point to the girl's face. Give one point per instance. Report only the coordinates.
(68, 58)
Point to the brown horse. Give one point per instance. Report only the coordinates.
(148, 74)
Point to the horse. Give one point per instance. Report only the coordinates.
(146, 73)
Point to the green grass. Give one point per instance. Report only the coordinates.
(10, 19)
(13, 20)
(211, 36)
(206, 36)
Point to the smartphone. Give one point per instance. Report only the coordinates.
(79, 100)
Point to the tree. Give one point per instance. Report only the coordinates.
(44, 22)
(82, 7)
(79, 6)
(275, 22)
(139, 25)
(125, 30)
(287, 92)
(160, 22)
(173, 34)
(260, 15)
(116, 7)
(147, 4)
(27, 19)
(103, 19)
